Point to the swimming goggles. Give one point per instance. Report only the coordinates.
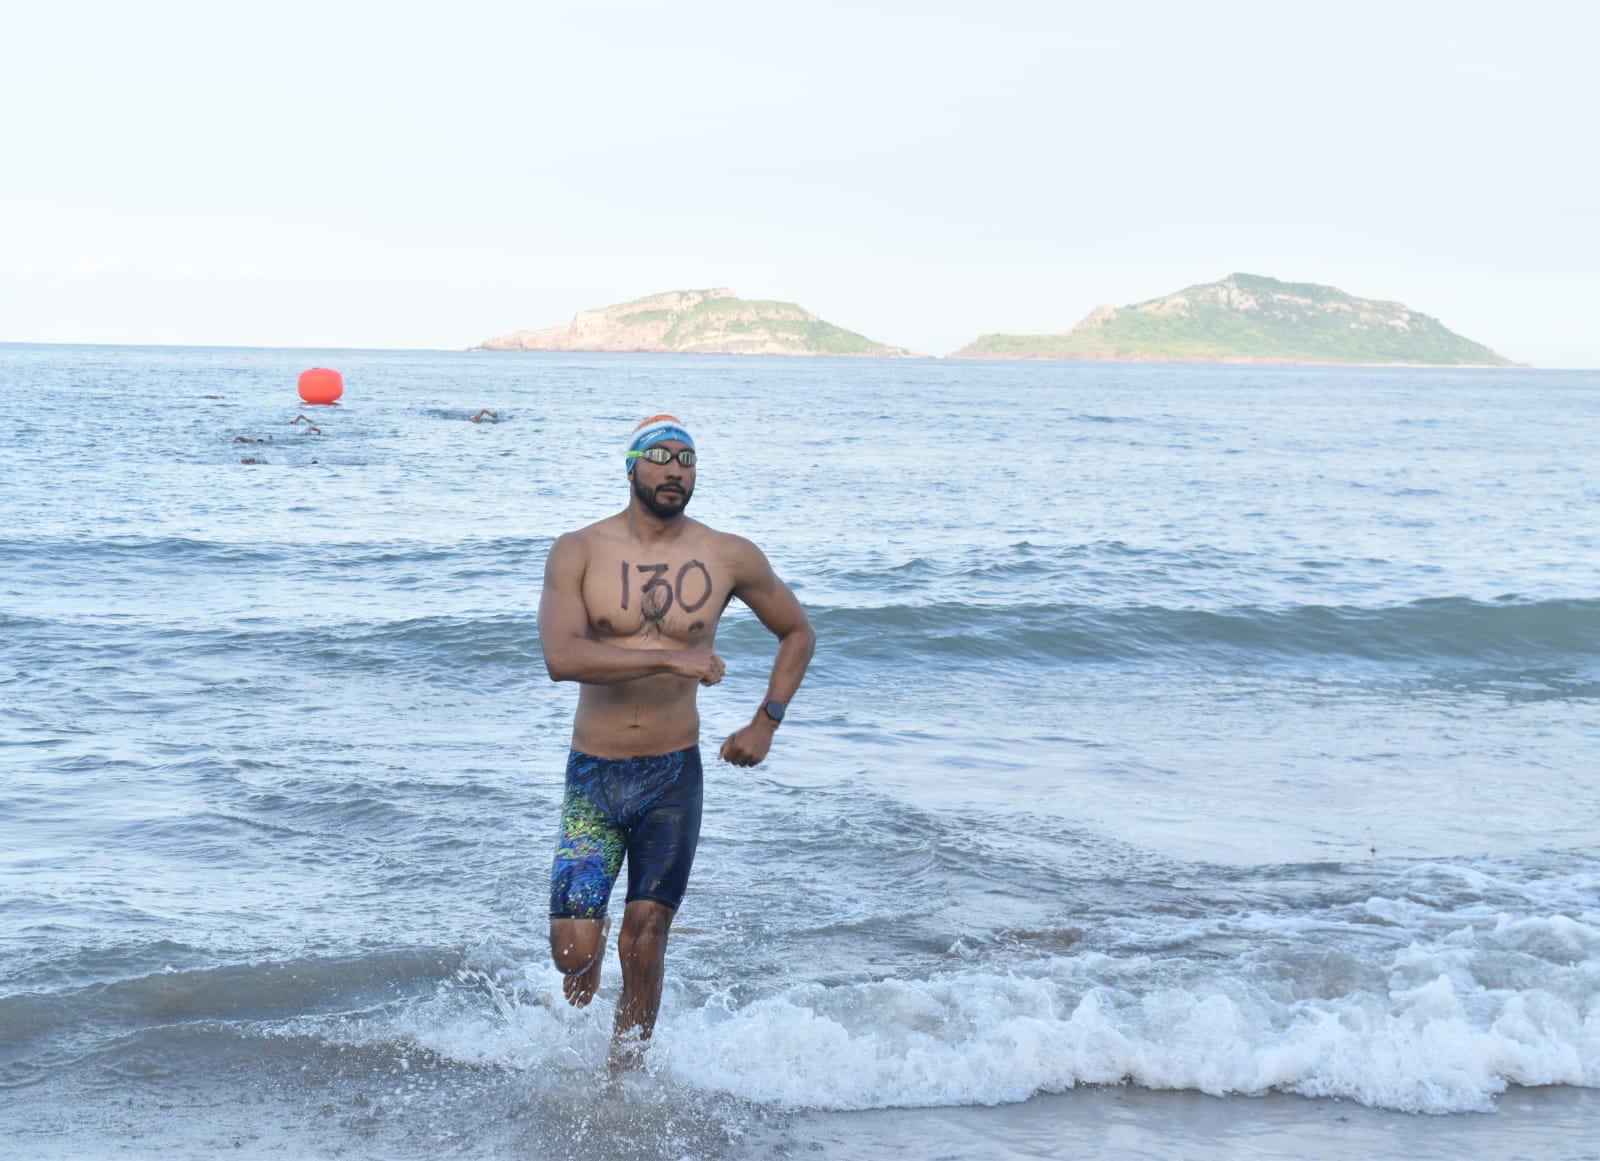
(661, 455)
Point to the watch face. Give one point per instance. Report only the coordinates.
(774, 709)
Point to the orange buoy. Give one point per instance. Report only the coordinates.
(320, 385)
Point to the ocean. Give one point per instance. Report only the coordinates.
(1196, 761)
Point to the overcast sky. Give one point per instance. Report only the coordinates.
(426, 175)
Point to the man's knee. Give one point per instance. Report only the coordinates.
(644, 933)
(572, 947)
(571, 961)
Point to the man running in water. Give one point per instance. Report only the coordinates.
(630, 610)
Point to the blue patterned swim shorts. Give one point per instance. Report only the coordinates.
(645, 808)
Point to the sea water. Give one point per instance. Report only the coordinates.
(1225, 730)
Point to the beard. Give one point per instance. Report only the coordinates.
(663, 510)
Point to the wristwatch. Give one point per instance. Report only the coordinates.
(773, 708)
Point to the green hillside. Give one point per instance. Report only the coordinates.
(1246, 317)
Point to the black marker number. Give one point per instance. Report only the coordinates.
(657, 595)
(705, 593)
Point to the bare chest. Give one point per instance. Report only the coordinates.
(679, 595)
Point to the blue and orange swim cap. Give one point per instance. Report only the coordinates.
(656, 429)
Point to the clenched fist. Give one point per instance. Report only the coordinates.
(701, 664)
(748, 746)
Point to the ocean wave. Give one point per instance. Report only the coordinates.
(1444, 629)
(417, 644)
(1447, 1027)
(1421, 987)
(984, 1038)
(252, 991)
(169, 551)
(1556, 634)
(1434, 990)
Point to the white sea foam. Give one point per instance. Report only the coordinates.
(975, 1038)
(1460, 1018)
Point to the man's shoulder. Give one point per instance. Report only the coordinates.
(726, 544)
(607, 528)
(573, 550)
(743, 556)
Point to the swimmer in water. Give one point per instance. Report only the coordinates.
(630, 611)
(485, 413)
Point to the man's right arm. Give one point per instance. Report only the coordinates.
(572, 654)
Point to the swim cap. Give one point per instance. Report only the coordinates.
(656, 429)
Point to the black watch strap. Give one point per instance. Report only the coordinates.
(773, 708)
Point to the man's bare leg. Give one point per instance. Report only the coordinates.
(579, 948)
(642, 947)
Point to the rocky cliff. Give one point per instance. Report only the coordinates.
(696, 322)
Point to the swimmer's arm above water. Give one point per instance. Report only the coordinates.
(571, 654)
(775, 605)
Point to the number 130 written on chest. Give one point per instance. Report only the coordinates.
(689, 589)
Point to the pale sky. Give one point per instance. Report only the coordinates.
(426, 175)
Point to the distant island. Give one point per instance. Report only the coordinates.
(697, 322)
(1244, 318)
(1249, 318)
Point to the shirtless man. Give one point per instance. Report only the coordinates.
(630, 609)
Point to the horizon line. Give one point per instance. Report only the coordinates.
(914, 358)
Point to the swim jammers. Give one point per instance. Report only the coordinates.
(646, 808)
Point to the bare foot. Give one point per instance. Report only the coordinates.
(580, 987)
(626, 1055)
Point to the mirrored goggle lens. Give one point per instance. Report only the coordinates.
(660, 455)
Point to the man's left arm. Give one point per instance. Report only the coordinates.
(776, 608)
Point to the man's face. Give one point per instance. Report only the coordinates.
(664, 489)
